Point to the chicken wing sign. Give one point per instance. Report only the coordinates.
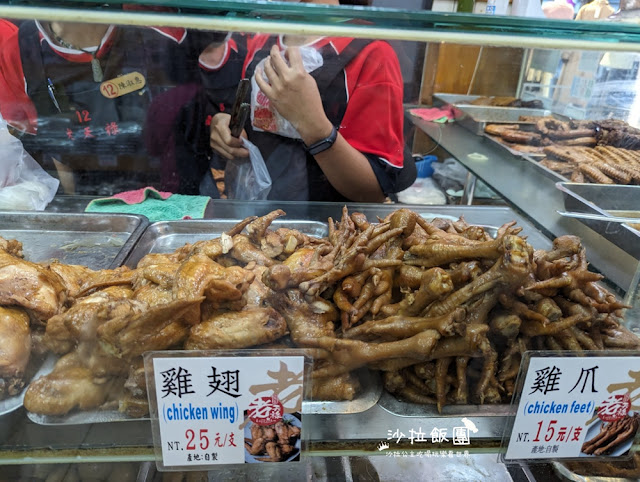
(573, 406)
(225, 408)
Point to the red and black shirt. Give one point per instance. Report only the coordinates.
(362, 90)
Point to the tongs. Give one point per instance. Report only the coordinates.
(240, 109)
(599, 217)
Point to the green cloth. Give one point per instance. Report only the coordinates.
(154, 207)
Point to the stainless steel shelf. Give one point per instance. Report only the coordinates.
(531, 192)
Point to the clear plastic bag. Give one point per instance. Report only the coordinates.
(247, 179)
(263, 116)
(24, 185)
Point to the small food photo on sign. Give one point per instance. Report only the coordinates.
(612, 429)
(270, 436)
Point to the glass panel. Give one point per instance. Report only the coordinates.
(109, 107)
(407, 24)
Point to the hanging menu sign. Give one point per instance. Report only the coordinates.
(214, 410)
(576, 406)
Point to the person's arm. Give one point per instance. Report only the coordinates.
(294, 94)
(15, 105)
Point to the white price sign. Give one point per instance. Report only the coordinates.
(577, 407)
(225, 410)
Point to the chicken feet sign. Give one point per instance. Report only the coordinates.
(586, 406)
(224, 409)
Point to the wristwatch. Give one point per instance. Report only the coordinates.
(323, 144)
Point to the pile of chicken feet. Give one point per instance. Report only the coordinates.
(444, 310)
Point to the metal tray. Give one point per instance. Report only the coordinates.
(550, 173)
(167, 236)
(476, 117)
(498, 141)
(98, 241)
(567, 474)
(604, 199)
(454, 99)
(407, 409)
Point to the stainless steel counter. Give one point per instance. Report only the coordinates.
(532, 193)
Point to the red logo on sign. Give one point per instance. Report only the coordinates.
(265, 410)
(614, 408)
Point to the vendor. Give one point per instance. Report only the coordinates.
(348, 114)
(53, 90)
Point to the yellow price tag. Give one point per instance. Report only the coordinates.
(122, 85)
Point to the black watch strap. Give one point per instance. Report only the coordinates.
(323, 144)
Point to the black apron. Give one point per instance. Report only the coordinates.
(296, 176)
(76, 123)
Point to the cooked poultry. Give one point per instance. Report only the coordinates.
(15, 350)
(200, 276)
(443, 308)
(343, 387)
(11, 246)
(70, 385)
(240, 329)
(277, 441)
(81, 321)
(151, 328)
(32, 286)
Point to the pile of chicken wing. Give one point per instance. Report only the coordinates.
(273, 443)
(442, 308)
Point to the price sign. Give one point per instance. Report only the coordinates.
(212, 410)
(571, 406)
(122, 85)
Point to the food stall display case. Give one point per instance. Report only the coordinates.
(352, 428)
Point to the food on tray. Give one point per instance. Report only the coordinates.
(602, 164)
(612, 435)
(603, 152)
(498, 129)
(273, 443)
(15, 350)
(522, 137)
(507, 102)
(442, 308)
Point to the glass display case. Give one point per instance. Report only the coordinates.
(114, 97)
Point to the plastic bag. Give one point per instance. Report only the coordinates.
(263, 116)
(24, 185)
(423, 191)
(247, 179)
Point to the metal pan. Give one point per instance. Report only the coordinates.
(167, 236)
(164, 237)
(604, 199)
(476, 118)
(97, 241)
(497, 140)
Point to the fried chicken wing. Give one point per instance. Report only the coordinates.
(70, 385)
(155, 328)
(15, 349)
(81, 321)
(241, 329)
(30, 285)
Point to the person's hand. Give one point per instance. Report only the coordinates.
(294, 94)
(222, 141)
